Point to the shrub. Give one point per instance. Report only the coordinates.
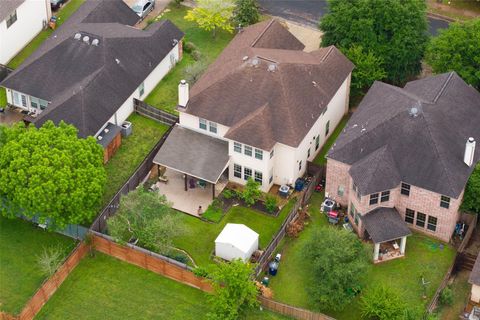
(382, 303)
(196, 55)
(188, 47)
(50, 260)
(446, 297)
(228, 194)
(214, 211)
(271, 203)
(246, 12)
(200, 271)
(194, 71)
(178, 256)
(252, 192)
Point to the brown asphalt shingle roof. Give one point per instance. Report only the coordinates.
(282, 105)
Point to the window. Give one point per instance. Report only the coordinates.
(43, 104)
(258, 154)
(270, 180)
(237, 147)
(409, 216)
(271, 153)
(24, 100)
(202, 124)
(405, 189)
(300, 165)
(141, 89)
(354, 214)
(385, 196)
(11, 19)
(237, 171)
(213, 127)
(248, 151)
(259, 177)
(317, 142)
(357, 192)
(340, 191)
(308, 153)
(247, 173)
(444, 202)
(16, 98)
(34, 102)
(357, 217)
(327, 128)
(432, 223)
(421, 220)
(373, 198)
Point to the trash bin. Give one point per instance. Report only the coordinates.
(126, 128)
(273, 268)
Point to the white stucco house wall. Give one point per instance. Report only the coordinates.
(20, 22)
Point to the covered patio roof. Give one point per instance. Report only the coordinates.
(195, 154)
(385, 224)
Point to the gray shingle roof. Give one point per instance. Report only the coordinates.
(7, 7)
(194, 153)
(475, 274)
(86, 84)
(385, 224)
(385, 144)
(279, 106)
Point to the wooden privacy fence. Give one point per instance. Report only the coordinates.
(148, 111)
(291, 311)
(51, 285)
(151, 261)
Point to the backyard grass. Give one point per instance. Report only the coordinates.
(320, 158)
(20, 244)
(68, 9)
(423, 257)
(106, 288)
(3, 97)
(461, 291)
(199, 236)
(164, 96)
(146, 133)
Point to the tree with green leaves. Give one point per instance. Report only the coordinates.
(234, 289)
(251, 192)
(50, 173)
(246, 12)
(457, 48)
(383, 303)
(211, 15)
(147, 217)
(395, 31)
(337, 260)
(368, 68)
(471, 196)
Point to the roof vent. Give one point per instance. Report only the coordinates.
(272, 67)
(413, 112)
(174, 42)
(106, 130)
(117, 61)
(99, 138)
(77, 36)
(86, 39)
(255, 62)
(245, 58)
(95, 42)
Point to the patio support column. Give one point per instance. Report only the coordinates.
(186, 178)
(376, 250)
(403, 244)
(213, 191)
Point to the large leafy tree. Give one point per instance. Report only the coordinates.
(471, 197)
(246, 12)
(457, 49)
(395, 31)
(212, 15)
(337, 260)
(148, 218)
(234, 289)
(51, 173)
(383, 303)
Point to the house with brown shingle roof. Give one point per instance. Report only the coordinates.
(266, 106)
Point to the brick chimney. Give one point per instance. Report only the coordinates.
(469, 152)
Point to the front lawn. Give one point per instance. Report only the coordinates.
(199, 236)
(320, 158)
(67, 10)
(134, 149)
(164, 96)
(106, 288)
(20, 244)
(423, 256)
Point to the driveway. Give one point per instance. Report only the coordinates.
(309, 12)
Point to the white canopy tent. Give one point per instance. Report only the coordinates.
(236, 241)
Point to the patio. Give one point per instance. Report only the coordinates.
(11, 116)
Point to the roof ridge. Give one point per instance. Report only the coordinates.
(249, 117)
(262, 33)
(444, 86)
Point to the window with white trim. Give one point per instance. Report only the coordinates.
(421, 217)
(409, 216)
(237, 147)
(445, 202)
(271, 153)
(373, 198)
(300, 165)
(405, 189)
(317, 142)
(259, 177)
(247, 150)
(237, 171)
(308, 153)
(202, 124)
(432, 223)
(43, 104)
(247, 173)
(34, 103)
(327, 128)
(340, 191)
(11, 19)
(385, 196)
(212, 126)
(141, 89)
(258, 154)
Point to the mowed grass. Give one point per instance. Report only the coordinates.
(106, 288)
(461, 292)
(3, 97)
(199, 236)
(423, 257)
(20, 244)
(320, 158)
(145, 134)
(164, 96)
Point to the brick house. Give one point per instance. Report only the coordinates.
(404, 158)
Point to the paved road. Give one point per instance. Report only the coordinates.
(308, 12)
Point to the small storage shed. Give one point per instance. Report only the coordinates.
(236, 241)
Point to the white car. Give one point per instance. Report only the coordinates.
(143, 7)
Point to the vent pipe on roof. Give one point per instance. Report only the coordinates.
(86, 39)
(469, 152)
(183, 93)
(77, 36)
(95, 42)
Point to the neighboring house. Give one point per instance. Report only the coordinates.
(261, 110)
(20, 22)
(404, 158)
(88, 72)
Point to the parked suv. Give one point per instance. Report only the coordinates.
(56, 4)
(143, 7)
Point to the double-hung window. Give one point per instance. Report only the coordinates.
(373, 198)
(409, 216)
(247, 150)
(247, 173)
(258, 177)
(11, 19)
(237, 147)
(258, 154)
(444, 202)
(43, 104)
(202, 124)
(212, 126)
(237, 171)
(432, 223)
(385, 196)
(421, 217)
(34, 102)
(405, 189)
(308, 153)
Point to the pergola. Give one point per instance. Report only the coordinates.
(386, 225)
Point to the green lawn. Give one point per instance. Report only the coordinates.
(422, 257)
(320, 158)
(199, 236)
(146, 133)
(68, 9)
(461, 291)
(106, 288)
(3, 97)
(20, 244)
(164, 96)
